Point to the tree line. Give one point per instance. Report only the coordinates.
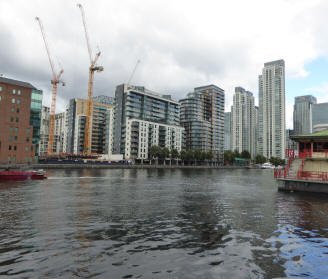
(189, 156)
(229, 157)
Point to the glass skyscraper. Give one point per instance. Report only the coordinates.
(303, 114)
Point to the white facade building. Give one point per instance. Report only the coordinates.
(144, 118)
(243, 121)
(140, 135)
(272, 123)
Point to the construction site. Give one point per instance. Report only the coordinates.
(88, 117)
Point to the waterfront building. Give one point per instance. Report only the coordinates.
(59, 144)
(303, 114)
(103, 99)
(101, 129)
(44, 130)
(272, 123)
(20, 109)
(308, 170)
(256, 124)
(144, 118)
(319, 114)
(202, 116)
(227, 131)
(243, 121)
(290, 144)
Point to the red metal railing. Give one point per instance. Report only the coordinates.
(313, 176)
(290, 153)
(288, 166)
(305, 154)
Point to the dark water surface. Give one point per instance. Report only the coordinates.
(161, 224)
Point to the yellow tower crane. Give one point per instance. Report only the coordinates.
(55, 80)
(93, 68)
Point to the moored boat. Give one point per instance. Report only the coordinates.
(21, 175)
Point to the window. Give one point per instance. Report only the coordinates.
(16, 138)
(15, 147)
(19, 92)
(26, 148)
(17, 110)
(28, 130)
(27, 139)
(12, 109)
(14, 91)
(10, 138)
(16, 129)
(0, 88)
(11, 119)
(9, 147)
(0, 96)
(18, 101)
(13, 100)
(11, 129)
(17, 119)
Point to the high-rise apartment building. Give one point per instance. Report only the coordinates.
(59, 144)
(243, 121)
(256, 124)
(303, 114)
(319, 114)
(44, 130)
(202, 116)
(20, 109)
(227, 131)
(101, 129)
(144, 118)
(272, 123)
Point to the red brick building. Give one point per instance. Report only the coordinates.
(15, 130)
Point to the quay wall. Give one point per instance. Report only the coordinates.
(95, 166)
(302, 186)
(117, 166)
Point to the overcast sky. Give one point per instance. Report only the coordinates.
(181, 44)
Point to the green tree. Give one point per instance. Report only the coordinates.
(229, 156)
(154, 151)
(197, 156)
(236, 154)
(260, 159)
(164, 153)
(189, 156)
(175, 153)
(203, 156)
(277, 161)
(245, 154)
(183, 155)
(210, 155)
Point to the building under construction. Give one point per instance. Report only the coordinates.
(100, 135)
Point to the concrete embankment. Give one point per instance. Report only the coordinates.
(95, 166)
(302, 186)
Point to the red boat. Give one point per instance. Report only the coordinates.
(22, 175)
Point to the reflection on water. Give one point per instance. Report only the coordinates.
(160, 224)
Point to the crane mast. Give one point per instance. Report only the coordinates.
(93, 68)
(55, 80)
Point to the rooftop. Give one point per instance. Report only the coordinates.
(317, 135)
(16, 82)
